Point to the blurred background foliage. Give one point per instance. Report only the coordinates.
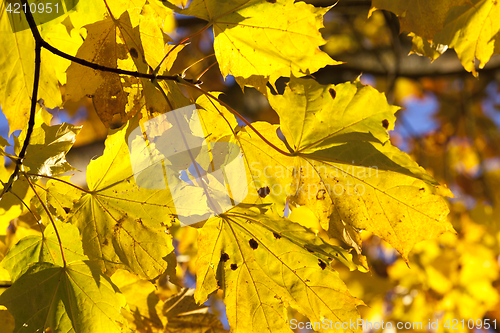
(449, 124)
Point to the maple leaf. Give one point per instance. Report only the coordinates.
(18, 63)
(472, 31)
(46, 153)
(123, 225)
(118, 43)
(44, 156)
(257, 41)
(58, 196)
(46, 296)
(44, 248)
(343, 168)
(423, 17)
(469, 27)
(262, 262)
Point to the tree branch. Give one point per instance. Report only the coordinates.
(31, 121)
(110, 69)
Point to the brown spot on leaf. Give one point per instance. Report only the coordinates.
(264, 191)
(224, 257)
(234, 267)
(253, 244)
(385, 123)
(309, 250)
(332, 92)
(133, 53)
(321, 194)
(105, 242)
(271, 1)
(276, 235)
(321, 264)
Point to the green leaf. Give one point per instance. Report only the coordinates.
(75, 298)
(44, 248)
(123, 225)
(260, 40)
(262, 264)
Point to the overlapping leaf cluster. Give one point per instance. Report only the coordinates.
(471, 28)
(98, 246)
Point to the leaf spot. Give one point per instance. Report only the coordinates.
(321, 264)
(234, 267)
(133, 53)
(385, 123)
(332, 92)
(264, 191)
(253, 244)
(224, 257)
(321, 194)
(276, 235)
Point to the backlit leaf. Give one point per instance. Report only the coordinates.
(18, 64)
(348, 178)
(44, 248)
(46, 153)
(118, 43)
(471, 28)
(185, 316)
(123, 225)
(47, 296)
(262, 263)
(260, 40)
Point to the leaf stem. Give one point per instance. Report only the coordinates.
(50, 218)
(236, 113)
(60, 180)
(157, 69)
(27, 207)
(215, 208)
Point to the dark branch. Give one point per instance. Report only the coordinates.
(41, 43)
(113, 70)
(31, 121)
